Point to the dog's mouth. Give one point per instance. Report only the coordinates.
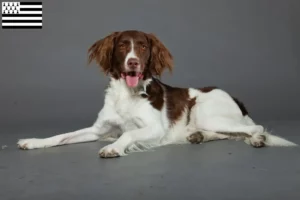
(132, 78)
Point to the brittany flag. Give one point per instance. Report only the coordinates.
(22, 15)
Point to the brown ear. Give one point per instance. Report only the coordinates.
(102, 51)
(160, 58)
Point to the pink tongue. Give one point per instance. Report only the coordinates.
(132, 81)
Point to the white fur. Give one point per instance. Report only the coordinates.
(140, 126)
(131, 54)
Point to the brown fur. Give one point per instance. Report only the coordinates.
(102, 50)
(207, 89)
(178, 101)
(161, 58)
(241, 106)
(110, 52)
(155, 94)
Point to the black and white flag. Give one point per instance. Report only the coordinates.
(23, 15)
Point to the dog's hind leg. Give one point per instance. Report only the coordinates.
(219, 116)
(253, 134)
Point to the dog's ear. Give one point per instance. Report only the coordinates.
(160, 58)
(102, 52)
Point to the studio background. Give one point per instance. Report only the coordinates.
(250, 48)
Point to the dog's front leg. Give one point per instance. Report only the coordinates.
(143, 135)
(105, 123)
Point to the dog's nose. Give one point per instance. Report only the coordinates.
(133, 63)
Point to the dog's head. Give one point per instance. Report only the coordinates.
(131, 55)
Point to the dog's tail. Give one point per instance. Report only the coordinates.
(260, 139)
(274, 140)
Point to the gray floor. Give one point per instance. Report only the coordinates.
(216, 170)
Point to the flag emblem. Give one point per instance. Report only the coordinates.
(22, 15)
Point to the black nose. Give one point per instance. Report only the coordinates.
(133, 63)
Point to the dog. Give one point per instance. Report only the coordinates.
(140, 112)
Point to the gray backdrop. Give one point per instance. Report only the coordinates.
(251, 48)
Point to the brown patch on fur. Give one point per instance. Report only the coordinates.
(195, 138)
(241, 106)
(178, 101)
(155, 94)
(207, 89)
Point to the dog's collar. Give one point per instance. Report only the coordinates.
(141, 89)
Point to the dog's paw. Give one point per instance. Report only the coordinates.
(31, 143)
(195, 138)
(110, 151)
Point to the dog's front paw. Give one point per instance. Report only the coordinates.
(31, 143)
(196, 138)
(110, 151)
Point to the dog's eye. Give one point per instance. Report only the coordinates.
(144, 47)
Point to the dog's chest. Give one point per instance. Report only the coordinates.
(133, 110)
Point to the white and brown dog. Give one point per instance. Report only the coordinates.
(143, 112)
